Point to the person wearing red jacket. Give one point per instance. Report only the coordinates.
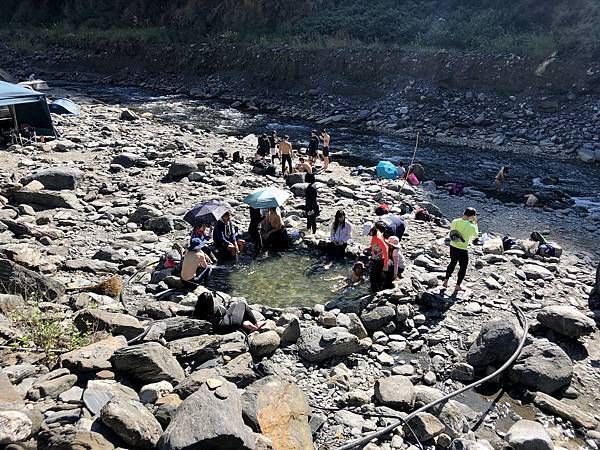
(379, 257)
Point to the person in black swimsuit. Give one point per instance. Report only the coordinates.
(311, 205)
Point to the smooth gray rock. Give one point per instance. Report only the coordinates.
(375, 319)
(566, 320)
(318, 344)
(94, 319)
(148, 362)
(47, 199)
(182, 167)
(542, 366)
(143, 213)
(535, 272)
(160, 225)
(263, 344)
(56, 178)
(396, 392)
(209, 420)
(92, 357)
(63, 438)
(528, 435)
(132, 422)
(495, 344)
(127, 159)
(99, 392)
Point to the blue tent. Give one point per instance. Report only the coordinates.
(64, 106)
(25, 106)
(387, 170)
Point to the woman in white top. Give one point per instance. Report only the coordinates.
(341, 232)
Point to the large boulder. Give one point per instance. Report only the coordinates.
(143, 213)
(17, 280)
(18, 424)
(63, 438)
(88, 320)
(542, 366)
(396, 392)
(282, 414)
(528, 435)
(566, 320)
(375, 319)
(148, 362)
(99, 392)
(47, 199)
(263, 344)
(209, 419)
(535, 272)
(93, 357)
(318, 344)
(182, 167)
(132, 422)
(56, 178)
(126, 159)
(425, 426)
(495, 344)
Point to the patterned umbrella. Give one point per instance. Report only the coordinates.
(207, 212)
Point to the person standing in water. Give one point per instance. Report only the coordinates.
(326, 139)
(500, 177)
(311, 205)
(462, 232)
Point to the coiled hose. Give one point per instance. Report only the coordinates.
(365, 440)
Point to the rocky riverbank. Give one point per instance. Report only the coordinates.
(499, 103)
(108, 199)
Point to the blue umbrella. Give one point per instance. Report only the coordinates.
(207, 212)
(387, 170)
(269, 197)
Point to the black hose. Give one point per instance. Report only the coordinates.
(365, 440)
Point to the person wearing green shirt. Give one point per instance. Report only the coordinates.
(462, 232)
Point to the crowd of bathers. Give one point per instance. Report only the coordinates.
(217, 241)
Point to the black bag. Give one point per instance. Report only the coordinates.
(270, 170)
(237, 158)
(205, 307)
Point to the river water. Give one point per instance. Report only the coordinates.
(442, 165)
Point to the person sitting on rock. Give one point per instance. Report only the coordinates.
(341, 233)
(226, 238)
(273, 234)
(401, 170)
(303, 166)
(203, 231)
(196, 264)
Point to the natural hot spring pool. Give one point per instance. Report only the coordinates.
(297, 277)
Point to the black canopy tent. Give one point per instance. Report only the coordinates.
(20, 106)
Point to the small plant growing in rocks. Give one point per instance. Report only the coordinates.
(48, 332)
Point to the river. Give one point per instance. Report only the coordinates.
(443, 165)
